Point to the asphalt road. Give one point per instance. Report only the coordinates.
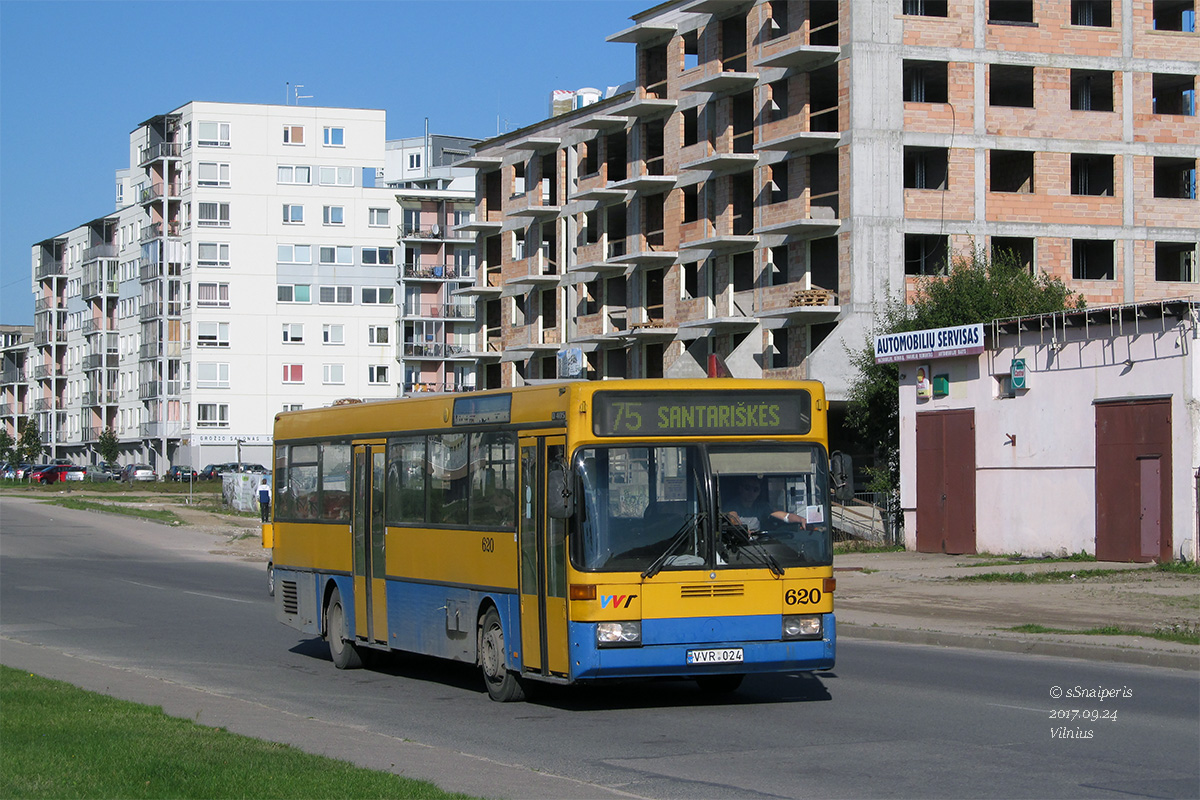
(144, 611)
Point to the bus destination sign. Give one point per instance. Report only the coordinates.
(702, 413)
(482, 409)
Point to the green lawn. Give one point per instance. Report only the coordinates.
(59, 741)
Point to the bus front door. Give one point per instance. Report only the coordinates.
(370, 592)
(543, 563)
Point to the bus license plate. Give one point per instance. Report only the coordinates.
(727, 655)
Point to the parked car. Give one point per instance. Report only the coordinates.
(210, 472)
(138, 472)
(106, 471)
(74, 472)
(181, 472)
(8, 471)
(22, 471)
(48, 473)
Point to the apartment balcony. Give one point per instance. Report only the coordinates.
(149, 311)
(152, 390)
(44, 337)
(433, 233)
(162, 150)
(490, 351)
(97, 252)
(432, 271)
(723, 83)
(801, 58)
(437, 386)
(452, 312)
(652, 330)
(803, 143)
(7, 410)
(423, 349)
(12, 376)
(156, 191)
(717, 244)
(48, 304)
(537, 144)
(801, 230)
(101, 361)
(802, 307)
(643, 33)
(644, 107)
(44, 404)
(606, 123)
(715, 326)
(718, 164)
(477, 226)
(160, 430)
(647, 184)
(94, 326)
(48, 269)
(41, 372)
(155, 231)
(104, 288)
(537, 210)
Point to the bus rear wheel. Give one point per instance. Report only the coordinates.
(344, 653)
(502, 684)
(719, 684)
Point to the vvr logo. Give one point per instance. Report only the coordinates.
(616, 600)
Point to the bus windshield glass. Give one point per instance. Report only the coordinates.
(748, 506)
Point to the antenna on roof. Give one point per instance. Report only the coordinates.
(296, 92)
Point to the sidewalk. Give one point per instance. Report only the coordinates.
(918, 598)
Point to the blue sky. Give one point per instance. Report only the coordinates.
(77, 77)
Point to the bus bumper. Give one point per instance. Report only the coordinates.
(666, 642)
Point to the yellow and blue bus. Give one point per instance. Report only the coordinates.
(564, 533)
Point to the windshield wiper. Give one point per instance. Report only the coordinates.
(679, 538)
(752, 547)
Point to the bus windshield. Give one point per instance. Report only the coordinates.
(646, 508)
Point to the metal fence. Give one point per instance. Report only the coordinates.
(869, 516)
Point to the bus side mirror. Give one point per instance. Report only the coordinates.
(560, 500)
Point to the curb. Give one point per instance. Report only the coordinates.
(1004, 644)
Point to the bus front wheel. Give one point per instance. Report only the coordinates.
(502, 684)
(344, 654)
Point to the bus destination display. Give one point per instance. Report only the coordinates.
(707, 413)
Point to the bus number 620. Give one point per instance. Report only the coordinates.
(799, 597)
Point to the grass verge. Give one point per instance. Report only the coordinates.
(1175, 633)
(863, 546)
(156, 514)
(995, 560)
(60, 741)
(1052, 576)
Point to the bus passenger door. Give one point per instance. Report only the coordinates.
(543, 584)
(370, 585)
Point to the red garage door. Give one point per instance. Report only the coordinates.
(1133, 481)
(946, 482)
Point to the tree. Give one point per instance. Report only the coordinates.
(107, 446)
(976, 289)
(8, 446)
(29, 446)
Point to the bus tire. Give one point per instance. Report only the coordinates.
(271, 578)
(502, 684)
(719, 684)
(344, 653)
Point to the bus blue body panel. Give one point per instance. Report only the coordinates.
(665, 643)
(442, 620)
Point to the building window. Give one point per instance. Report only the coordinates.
(293, 214)
(1010, 85)
(377, 217)
(335, 176)
(293, 373)
(1092, 13)
(414, 160)
(1012, 171)
(1175, 15)
(333, 374)
(293, 332)
(212, 334)
(1091, 90)
(212, 295)
(212, 254)
(691, 203)
(925, 81)
(212, 415)
(333, 215)
(293, 134)
(779, 182)
(1092, 260)
(925, 8)
(1175, 261)
(926, 167)
(1175, 178)
(212, 375)
(380, 255)
(780, 352)
(212, 134)
(378, 295)
(293, 406)
(333, 334)
(340, 254)
(293, 254)
(690, 285)
(377, 334)
(777, 105)
(213, 215)
(1010, 12)
(925, 254)
(1017, 250)
(295, 175)
(1174, 94)
(343, 295)
(335, 137)
(211, 173)
(294, 293)
(1091, 174)
(377, 374)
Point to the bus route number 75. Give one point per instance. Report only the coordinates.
(629, 419)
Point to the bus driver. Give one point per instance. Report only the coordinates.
(745, 505)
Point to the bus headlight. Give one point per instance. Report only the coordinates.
(618, 634)
(806, 627)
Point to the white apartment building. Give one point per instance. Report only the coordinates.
(249, 268)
